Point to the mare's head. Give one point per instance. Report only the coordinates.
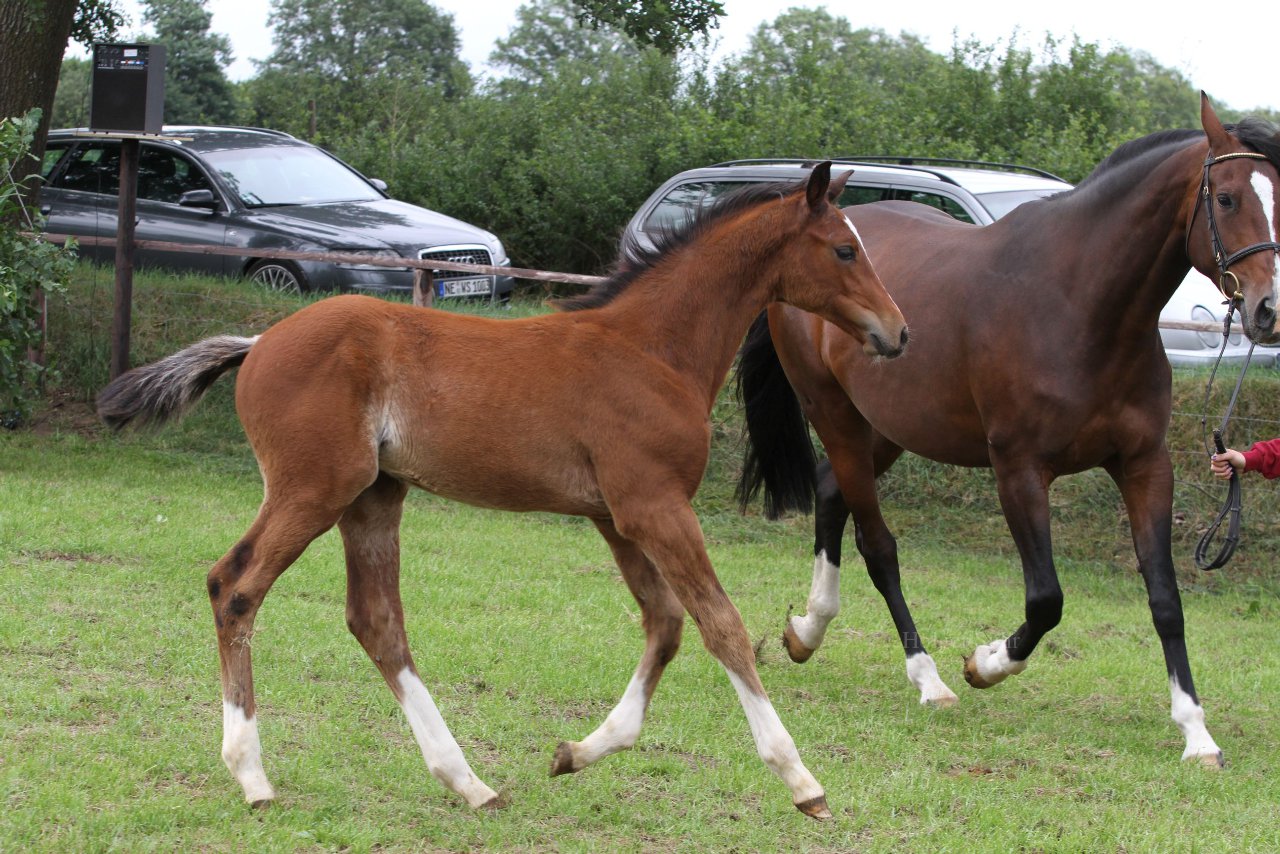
(1232, 232)
(825, 269)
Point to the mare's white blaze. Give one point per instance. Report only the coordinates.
(444, 758)
(242, 751)
(774, 743)
(619, 731)
(994, 664)
(923, 673)
(1189, 717)
(1266, 190)
(823, 604)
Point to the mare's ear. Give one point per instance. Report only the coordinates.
(1219, 139)
(819, 180)
(837, 185)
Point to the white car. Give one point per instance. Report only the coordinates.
(971, 191)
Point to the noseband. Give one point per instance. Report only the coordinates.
(1220, 255)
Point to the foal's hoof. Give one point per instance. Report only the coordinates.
(1212, 761)
(260, 803)
(497, 802)
(941, 701)
(562, 762)
(971, 674)
(815, 808)
(798, 652)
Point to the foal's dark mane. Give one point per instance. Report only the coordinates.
(635, 261)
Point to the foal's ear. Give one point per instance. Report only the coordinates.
(819, 181)
(837, 185)
(1219, 139)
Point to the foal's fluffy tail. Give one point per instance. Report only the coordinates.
(779, 457)
(163, 391)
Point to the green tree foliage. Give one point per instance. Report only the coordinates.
(71, 104)
(547, 32)
(28, 267)
(197, 90)
(667, 25)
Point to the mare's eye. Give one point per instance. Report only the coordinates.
(846, 253)
(1225, 202)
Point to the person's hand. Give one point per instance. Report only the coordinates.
(1224, 463)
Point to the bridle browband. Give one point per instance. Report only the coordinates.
(1221, 257)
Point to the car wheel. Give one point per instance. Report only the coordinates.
(283, 276)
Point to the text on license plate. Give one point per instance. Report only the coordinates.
(464, 287)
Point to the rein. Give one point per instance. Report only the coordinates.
(1230, 512)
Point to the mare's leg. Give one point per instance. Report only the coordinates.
(663, 620)
(1147, 488)
(1024, 497)
(237, 585)
(371, 540)
(847, 484)
(668, 532)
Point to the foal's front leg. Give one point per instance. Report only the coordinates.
(663, 619)
(669, 533)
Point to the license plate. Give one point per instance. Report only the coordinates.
(465, 287)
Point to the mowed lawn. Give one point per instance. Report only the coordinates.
(110, 709)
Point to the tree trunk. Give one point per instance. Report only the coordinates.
(33, 37)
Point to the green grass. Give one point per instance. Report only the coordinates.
(110, 719)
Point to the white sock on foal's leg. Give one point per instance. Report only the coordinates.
(242, 751)
(823, 604)
(618, 732)
(442, 753)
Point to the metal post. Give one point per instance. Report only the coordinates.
(126, 213)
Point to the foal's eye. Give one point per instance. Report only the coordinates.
(846, 253)
(1225, 202)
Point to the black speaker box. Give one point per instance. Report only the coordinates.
(128, 88)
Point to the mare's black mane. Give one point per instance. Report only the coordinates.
(635, 261)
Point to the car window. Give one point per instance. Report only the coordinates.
(52, 154)
(288, 175)
(94, 168)
(999, 204)
(853, 195)
(163, 176)
(684, 200)
(946, 204)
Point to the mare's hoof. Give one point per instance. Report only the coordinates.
(260, 804)
(798, 652)
(944, 701)
(971, 674)
(562, 762)
(815, 808)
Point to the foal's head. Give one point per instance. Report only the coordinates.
(825, 269)
(1232, 232)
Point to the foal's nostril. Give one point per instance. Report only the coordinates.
(1265, 316)
(902, 339)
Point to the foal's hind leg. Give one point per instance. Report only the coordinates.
(663, 619)
(371, 540)
(237, 585)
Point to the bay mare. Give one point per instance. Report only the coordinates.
(604, 410)
(1035, 351)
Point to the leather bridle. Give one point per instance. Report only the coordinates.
(1221, 257)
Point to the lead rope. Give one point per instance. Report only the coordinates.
(1230, 511)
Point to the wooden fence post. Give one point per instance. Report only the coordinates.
(424, 293)
(126, 213)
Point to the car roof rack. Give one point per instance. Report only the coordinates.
(900, 160)
(810, 162)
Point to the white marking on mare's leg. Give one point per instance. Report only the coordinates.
(618, 732)
(990, 664)
(776, 747)
(923, 673)
(823, 605)
(444, 758)
(242, 751)
(1189, 717)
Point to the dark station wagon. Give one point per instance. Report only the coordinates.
(255, 189)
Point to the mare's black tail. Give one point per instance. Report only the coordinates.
(779, 455)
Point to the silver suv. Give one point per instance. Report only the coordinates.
(971, 191)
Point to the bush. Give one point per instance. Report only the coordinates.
(29, 267)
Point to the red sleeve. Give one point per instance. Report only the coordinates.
(1264, 457)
